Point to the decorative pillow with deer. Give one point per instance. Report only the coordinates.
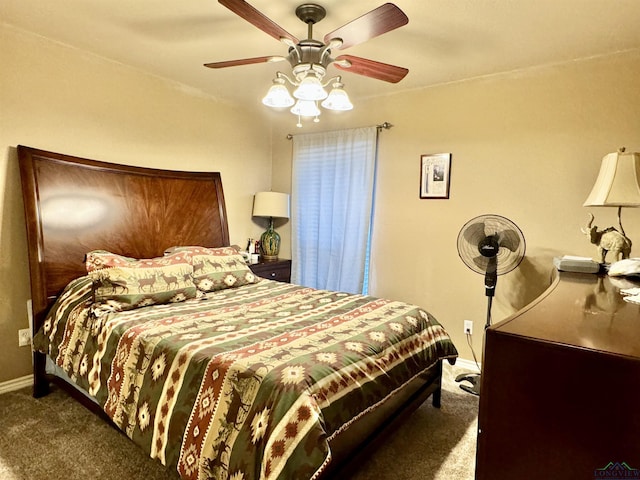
(216, 268)
(124, 283)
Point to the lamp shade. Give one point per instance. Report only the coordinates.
(306, 108)
(617, 183)
(310, 88)
(337, 99)
(271, 204)
(278, 96)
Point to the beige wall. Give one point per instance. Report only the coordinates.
(525, 145)
(59, 99)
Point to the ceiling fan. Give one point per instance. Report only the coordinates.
(311, 56)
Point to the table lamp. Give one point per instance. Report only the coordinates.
(617, 185)
(271, 205)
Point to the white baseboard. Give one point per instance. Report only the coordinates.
(466, 364)
(16, 384)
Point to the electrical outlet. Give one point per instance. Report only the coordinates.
(468, 327)
(24, 337)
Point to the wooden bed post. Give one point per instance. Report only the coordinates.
(437, 394)
(40, 381)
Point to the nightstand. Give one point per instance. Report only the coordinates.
(279, 270)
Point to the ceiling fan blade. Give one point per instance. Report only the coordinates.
(381, 20)
(244, 61)
(371, 68)
(257, 19)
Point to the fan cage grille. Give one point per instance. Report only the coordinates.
(476, 229)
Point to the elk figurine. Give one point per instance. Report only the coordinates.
(608, 240)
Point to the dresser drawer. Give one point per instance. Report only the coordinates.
(279, 270)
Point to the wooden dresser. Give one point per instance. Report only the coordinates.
(560, 388)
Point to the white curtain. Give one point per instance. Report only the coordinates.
(332, 204)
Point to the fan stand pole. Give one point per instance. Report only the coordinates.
(489, 303)
(491, 279)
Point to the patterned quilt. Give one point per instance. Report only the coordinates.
(246, 383)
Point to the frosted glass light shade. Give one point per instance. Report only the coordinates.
(337, 99)
(306, 108)
(310, 88)
(278, 96)
(271, 204)
(617, 184)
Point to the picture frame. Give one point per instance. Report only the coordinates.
(435, 175)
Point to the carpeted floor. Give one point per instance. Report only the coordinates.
(55, 437)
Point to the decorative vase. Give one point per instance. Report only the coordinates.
(270, 243)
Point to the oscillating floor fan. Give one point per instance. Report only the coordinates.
(490, 245)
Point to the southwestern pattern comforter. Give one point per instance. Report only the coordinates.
(246, 383)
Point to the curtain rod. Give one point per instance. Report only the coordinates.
(383, 125)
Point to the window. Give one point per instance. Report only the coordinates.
(332, 206)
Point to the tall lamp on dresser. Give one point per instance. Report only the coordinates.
(617, 185)
(270, 205)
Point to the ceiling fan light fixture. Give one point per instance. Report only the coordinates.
(306, 108)
(338, 99)
(278, 95)
(309, 58)
(310, 88)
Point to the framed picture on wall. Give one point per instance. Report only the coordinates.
(435, 175)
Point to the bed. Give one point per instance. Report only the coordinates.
(153, 321)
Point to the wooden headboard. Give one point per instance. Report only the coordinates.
(75, 205)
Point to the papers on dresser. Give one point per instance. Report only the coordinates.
(572, 263)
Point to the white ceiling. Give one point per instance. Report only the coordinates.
(445, 40)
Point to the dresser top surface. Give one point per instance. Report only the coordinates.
(580, 310)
